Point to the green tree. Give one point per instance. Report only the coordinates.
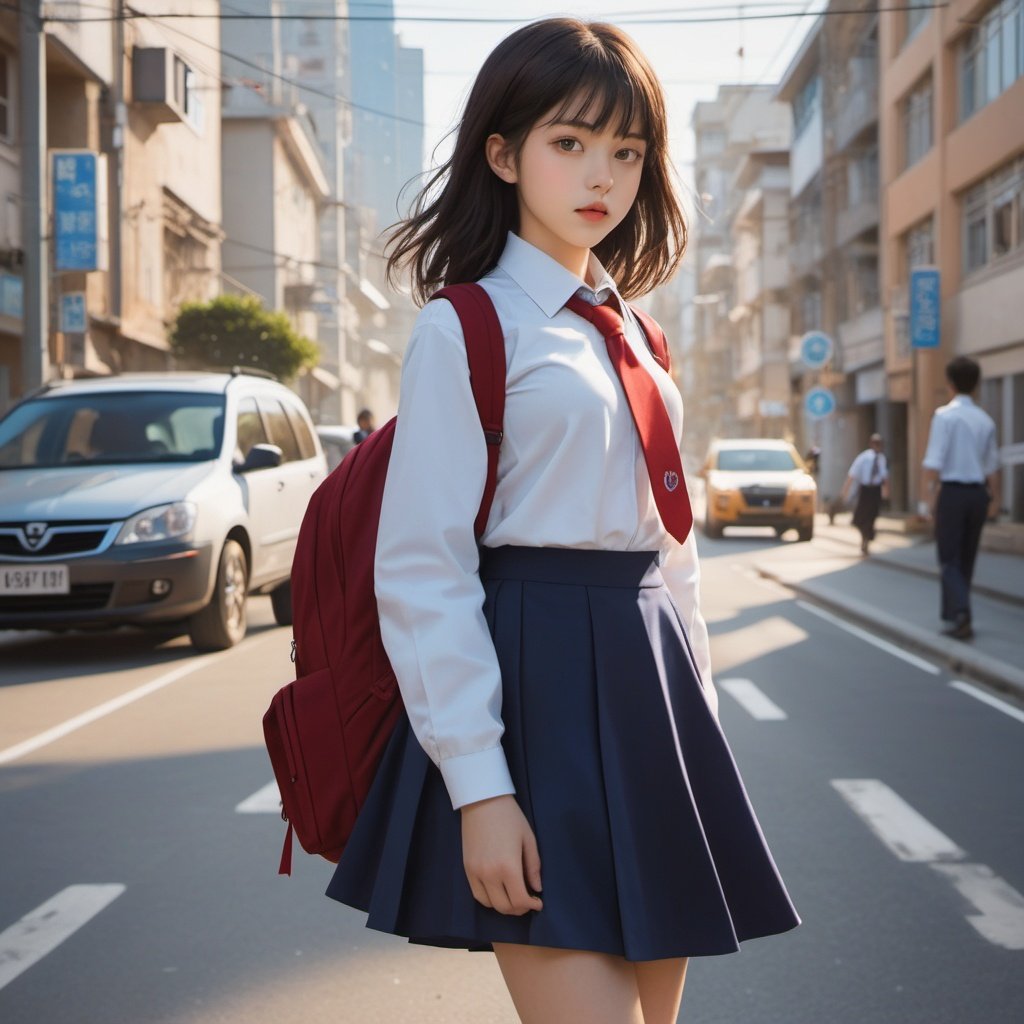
(235, 330)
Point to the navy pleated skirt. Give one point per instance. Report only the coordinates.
(649, 846)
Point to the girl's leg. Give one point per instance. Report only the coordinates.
(660, 983)
(552, 986)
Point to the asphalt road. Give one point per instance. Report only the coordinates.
(134, 890)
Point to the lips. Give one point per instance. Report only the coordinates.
(594, 212)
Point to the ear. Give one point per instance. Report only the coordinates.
(501, 158)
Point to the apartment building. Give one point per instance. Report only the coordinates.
(760, 314)
(952, 168)
(134, 103)
(741, 120)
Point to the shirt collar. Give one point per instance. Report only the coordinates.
(546, 281)
(962, 399)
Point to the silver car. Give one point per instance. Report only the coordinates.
(152, 498)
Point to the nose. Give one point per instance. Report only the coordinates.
(599, 175)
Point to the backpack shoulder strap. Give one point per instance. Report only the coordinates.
(485, 351)
(655, 338)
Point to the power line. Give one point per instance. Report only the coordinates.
(447, 20)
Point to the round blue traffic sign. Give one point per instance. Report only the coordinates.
(819, 403)
(815, 349)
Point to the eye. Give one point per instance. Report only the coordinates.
(568, 145)
(629, 156)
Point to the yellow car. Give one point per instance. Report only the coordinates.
(758, 482)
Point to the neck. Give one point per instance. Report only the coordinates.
(573, 258)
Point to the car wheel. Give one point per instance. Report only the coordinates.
(221, 624)
(780, 531)
(805, 533)
(712, 529)
(281, 602)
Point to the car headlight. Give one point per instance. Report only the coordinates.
(165, 522)
(804, 486)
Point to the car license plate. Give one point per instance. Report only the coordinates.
(34, 579)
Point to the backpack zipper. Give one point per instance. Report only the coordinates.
(294, 653)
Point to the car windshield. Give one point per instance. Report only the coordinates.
(112, 429)
(758, 460)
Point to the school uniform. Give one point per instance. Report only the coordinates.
(563, 659)
(962, 449)
(869, 471)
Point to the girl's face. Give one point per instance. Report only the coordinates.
(574, 184)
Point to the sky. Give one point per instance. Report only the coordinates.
(691, 60)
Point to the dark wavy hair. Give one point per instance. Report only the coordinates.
(459, 222)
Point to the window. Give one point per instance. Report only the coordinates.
(993, 217)
(5, 98)
(280, 429)
(917, 13)
(805, 105)
(862, 180)
(187, 94)
(991, 56)
(917, 122)
(307, 446)
(249, 428)
(919, 247)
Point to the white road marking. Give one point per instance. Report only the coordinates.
(110, 706)
(863, 634)
(907, 834)
(988, 698)
(752, 700)
(1000, 917)
(264, 801)
(42, 930)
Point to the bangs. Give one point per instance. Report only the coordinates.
(601, 94)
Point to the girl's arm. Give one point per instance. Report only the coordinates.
(429, 595)
(681, 570)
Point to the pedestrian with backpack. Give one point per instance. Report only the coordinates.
(558, 788)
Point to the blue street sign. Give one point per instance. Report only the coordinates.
(819, 403)
(75, 210)
(925, 307)
(815, 349)
(72, 313)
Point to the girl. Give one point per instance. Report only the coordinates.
(560, 791)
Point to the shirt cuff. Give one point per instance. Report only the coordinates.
(479, 776)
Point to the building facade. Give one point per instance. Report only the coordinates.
(952, 167)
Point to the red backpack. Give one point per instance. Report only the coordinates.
(326, 731)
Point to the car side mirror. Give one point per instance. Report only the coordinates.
(262, 456)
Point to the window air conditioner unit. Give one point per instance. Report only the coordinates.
(159, 82)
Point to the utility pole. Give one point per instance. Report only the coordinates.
(35, 338)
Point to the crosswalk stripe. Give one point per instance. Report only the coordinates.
(1000, 917)
(41, 930)
(905, 832)
(264, 801)
(756, 703)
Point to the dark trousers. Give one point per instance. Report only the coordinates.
(959, 517)
(869, 501)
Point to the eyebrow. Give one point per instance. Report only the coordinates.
(591, 127)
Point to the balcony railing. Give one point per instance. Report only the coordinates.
(805, 257)
(856, 220)
(858, 107)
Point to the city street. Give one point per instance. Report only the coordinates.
(140, 842)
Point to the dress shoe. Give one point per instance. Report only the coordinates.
(959, 630)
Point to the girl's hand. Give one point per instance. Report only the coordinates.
(499, 852)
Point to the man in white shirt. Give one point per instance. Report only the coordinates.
(961, 475)
(870, 474)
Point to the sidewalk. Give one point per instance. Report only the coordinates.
(895, 592)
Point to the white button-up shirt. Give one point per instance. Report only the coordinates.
(867, 471)
(962, 443)
(571, 473)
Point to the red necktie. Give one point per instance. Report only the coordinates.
(657, 438)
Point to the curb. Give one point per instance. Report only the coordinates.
(956, 655)
(929, 574)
